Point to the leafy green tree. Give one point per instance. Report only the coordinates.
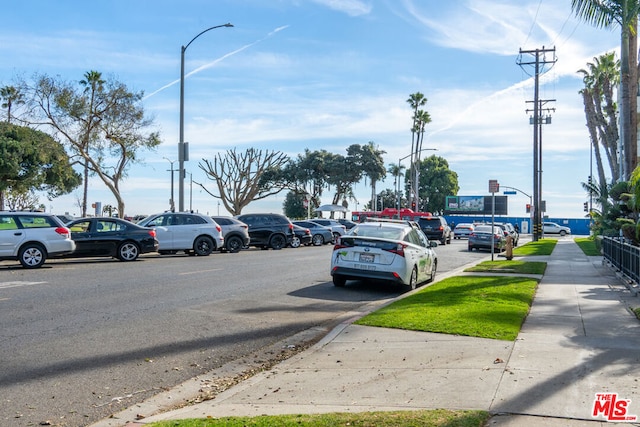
(606, 14)
(384, 199)
(293, 205)
(310, 173)
(368, 159)
(31, 160)
(437, 182)
(11, 96)
(103, 123)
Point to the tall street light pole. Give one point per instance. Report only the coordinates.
(398, 186)
(182, 152)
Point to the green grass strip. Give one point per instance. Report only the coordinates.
(588, 246)
(422, 418)
(509, 267)
(486, 307)
(541, 247)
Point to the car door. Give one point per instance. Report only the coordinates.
(258, 229)
(90, 236)
(107, 235)
(164, 233)
(183, 231)
(422, 254)
(11, 236)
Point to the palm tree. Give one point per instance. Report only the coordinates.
(417, 100)
(11, 96)
(93, 84)
(395, 170)
(604, 14)
(600, 110)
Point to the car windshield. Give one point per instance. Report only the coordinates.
(381, 232)
(483, 229)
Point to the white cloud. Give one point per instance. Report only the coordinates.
(350, 7)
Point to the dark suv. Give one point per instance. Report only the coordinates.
(268, 230)
(436, 228)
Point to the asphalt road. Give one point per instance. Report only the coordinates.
(83, 339)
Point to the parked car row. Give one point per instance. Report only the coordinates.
(33, 237)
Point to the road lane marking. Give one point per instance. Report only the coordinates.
(16, 284)
(199, 271)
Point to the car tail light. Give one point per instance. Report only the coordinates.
(338, 244)
(399, 250)
(291, 228)
(152, 233)
(64, 232)
(307, 231)
(218, 228)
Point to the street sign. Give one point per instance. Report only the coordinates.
(509, 192)
(494, 187)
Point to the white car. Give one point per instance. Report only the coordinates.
(193, 233)
(463, 230)
(32, 237)
(392, 250)
(553, 228)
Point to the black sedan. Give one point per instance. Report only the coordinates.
(112, 237)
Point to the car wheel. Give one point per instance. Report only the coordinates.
(32, 256)
(562, 233)
(277, 242)
(295, 242)
(317, 240)
(433, 271)
(128, 251)
(203, 246)
(339, 281)
(233, 244)
(413, 280)
(470, 248)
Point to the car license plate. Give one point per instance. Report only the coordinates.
(369, 267)
(366, 257)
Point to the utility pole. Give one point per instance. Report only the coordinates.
(539, 62)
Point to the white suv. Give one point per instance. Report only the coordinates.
(193, 233)
(32, 237)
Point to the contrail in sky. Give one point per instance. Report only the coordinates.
(212, 63)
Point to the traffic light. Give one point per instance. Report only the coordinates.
(528, 208)
(586, 206)
(413, 206)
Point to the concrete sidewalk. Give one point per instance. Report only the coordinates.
(579, 339)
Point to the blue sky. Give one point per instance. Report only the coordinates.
(325, 74)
